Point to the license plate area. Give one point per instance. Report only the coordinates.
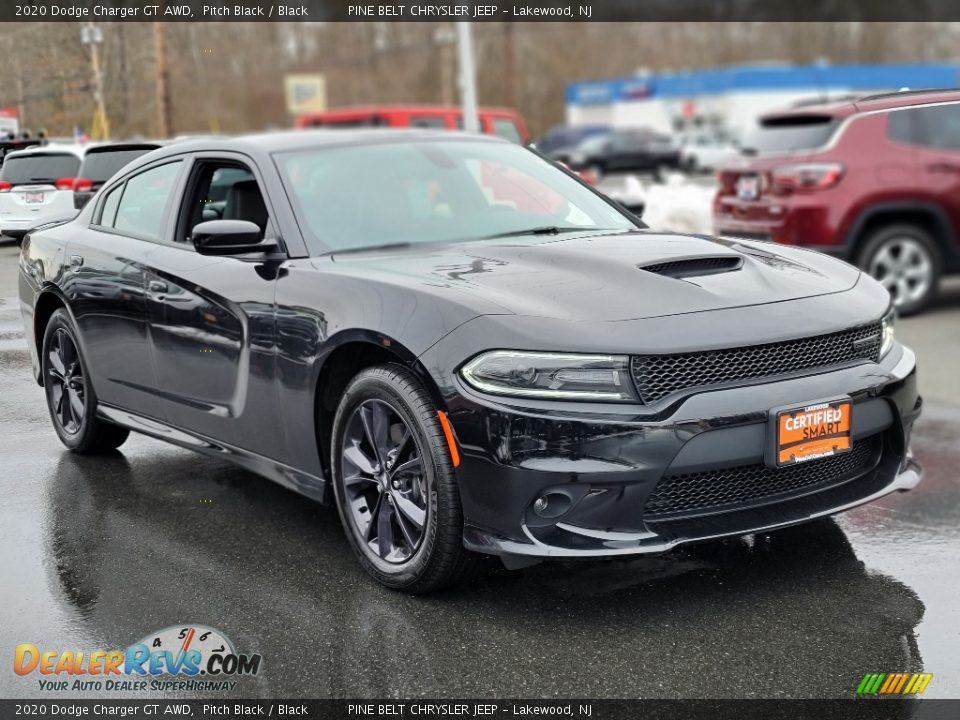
(33, 198)
(748, 187)
(810, 432)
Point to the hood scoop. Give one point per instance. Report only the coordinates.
(694, 267)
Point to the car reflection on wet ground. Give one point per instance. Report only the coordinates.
(98, 552)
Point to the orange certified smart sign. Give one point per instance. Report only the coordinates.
(812, 432)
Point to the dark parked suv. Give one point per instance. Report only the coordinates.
(875, 181)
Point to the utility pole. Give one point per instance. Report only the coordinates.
(162, 89)
(509, 67)
(90, 34)
(468, 78)
(444, 38)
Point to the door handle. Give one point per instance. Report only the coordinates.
(76, 260)
(156, 286)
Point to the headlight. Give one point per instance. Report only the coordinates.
(551, 376)
(886, 333)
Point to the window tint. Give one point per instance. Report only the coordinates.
(937, 127)
(109, 212)
(506, 129)
(41, 168)
(141, 208)
(790, 133)
(101, 165)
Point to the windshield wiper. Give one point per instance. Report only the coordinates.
(365, 248)
(546, 230)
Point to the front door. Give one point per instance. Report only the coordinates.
(212, 318)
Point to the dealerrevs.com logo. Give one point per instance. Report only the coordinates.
(177, 658)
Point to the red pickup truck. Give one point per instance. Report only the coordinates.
(504, 122)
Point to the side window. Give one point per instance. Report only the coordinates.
(936, 127)
(109, 212)
(507, 129)
(221, 190)
(140, 210)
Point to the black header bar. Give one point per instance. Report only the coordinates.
(222, 708)
(485, 11)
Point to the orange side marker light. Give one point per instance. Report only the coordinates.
(451, 440)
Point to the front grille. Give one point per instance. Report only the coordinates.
(657, 376)
(729, 489)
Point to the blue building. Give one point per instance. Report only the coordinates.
(732, 97)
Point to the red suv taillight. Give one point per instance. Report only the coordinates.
(82, 184)
(64, 183)
(806, 176)
(5, 186)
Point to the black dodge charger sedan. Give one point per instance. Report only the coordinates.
(465, 348)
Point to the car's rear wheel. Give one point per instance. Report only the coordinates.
(905, 260)
(71, 400)
(394, 483)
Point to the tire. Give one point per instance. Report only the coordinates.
(388, 404)
(71, 400)
(905, 259)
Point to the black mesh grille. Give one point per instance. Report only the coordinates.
(728, 489)
(657, 376)
(694, 266)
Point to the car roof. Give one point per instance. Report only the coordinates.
(869, 103)
(288, 140)
(52, 149)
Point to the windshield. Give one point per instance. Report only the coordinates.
(41, 168)
(353, 197)
(789, 134)
(101, 165)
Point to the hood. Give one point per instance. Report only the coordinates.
(601, 277)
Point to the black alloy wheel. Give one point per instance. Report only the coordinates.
(67, 384)
(71, 400)
(386, 487)
(395, 484)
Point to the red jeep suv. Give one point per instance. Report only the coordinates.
(875, 181)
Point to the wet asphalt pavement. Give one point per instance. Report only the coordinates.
(95, 553)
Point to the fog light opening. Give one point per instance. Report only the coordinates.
(552, 504)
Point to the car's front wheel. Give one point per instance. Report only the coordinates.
(906, 261)
(394, 483)
(70, 396)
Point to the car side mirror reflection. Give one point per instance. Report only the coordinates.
(229, 237)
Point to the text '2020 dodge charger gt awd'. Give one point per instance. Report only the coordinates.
(466, 349)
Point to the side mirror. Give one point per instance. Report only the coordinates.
(229, 237)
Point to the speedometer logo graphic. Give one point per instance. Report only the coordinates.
(181, 639)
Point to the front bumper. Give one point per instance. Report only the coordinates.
(601, 466)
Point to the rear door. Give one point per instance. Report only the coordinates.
(212, 318)
(105, 286)
(934, 134)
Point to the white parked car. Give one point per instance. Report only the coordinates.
(36, 187)
(703, 152)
